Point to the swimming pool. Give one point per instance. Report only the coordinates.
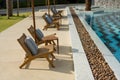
(107, 27)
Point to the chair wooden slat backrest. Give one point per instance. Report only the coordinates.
(31, 31)
(21, 40)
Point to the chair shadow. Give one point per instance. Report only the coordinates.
(75, 50)
(63, 17)
(64, 27)
(61, 65)
(65, 50)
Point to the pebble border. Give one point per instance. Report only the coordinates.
(99, 67)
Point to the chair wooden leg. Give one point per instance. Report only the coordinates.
(53, 57)
(50, 62)
(25, 62)
(49, 42)
(60, 21)
(57, 26)
(53, 42)
(46, 43)
(45, 27)
(58, 46)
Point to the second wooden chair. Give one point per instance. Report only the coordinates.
(41, 38)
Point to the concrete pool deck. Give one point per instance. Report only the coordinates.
(12, 54)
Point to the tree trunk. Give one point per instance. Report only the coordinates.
(17, 7)
(88, 5)
(28, 3)
(9, 6)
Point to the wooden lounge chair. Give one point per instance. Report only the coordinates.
(56, 13)
(50, 22)
(53, 18)
(49, 39)
(43, 52)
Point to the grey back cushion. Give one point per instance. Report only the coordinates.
(49, 20)
(53, 10)
(39, 34)
(51, 17)
(31, 45)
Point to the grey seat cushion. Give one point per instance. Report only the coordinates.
(49, 20)
(31, 45)
(39, 34)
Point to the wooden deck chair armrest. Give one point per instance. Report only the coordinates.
(43, 54)
(56, 22)
(49, 38)
(56, 15)
(56, 18)
(60, 11)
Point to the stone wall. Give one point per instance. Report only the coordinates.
(108, 3)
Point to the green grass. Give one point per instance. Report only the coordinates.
(6, 23)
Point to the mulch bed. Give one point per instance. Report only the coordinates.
(99, 67)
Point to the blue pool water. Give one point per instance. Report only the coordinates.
(107, 27)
